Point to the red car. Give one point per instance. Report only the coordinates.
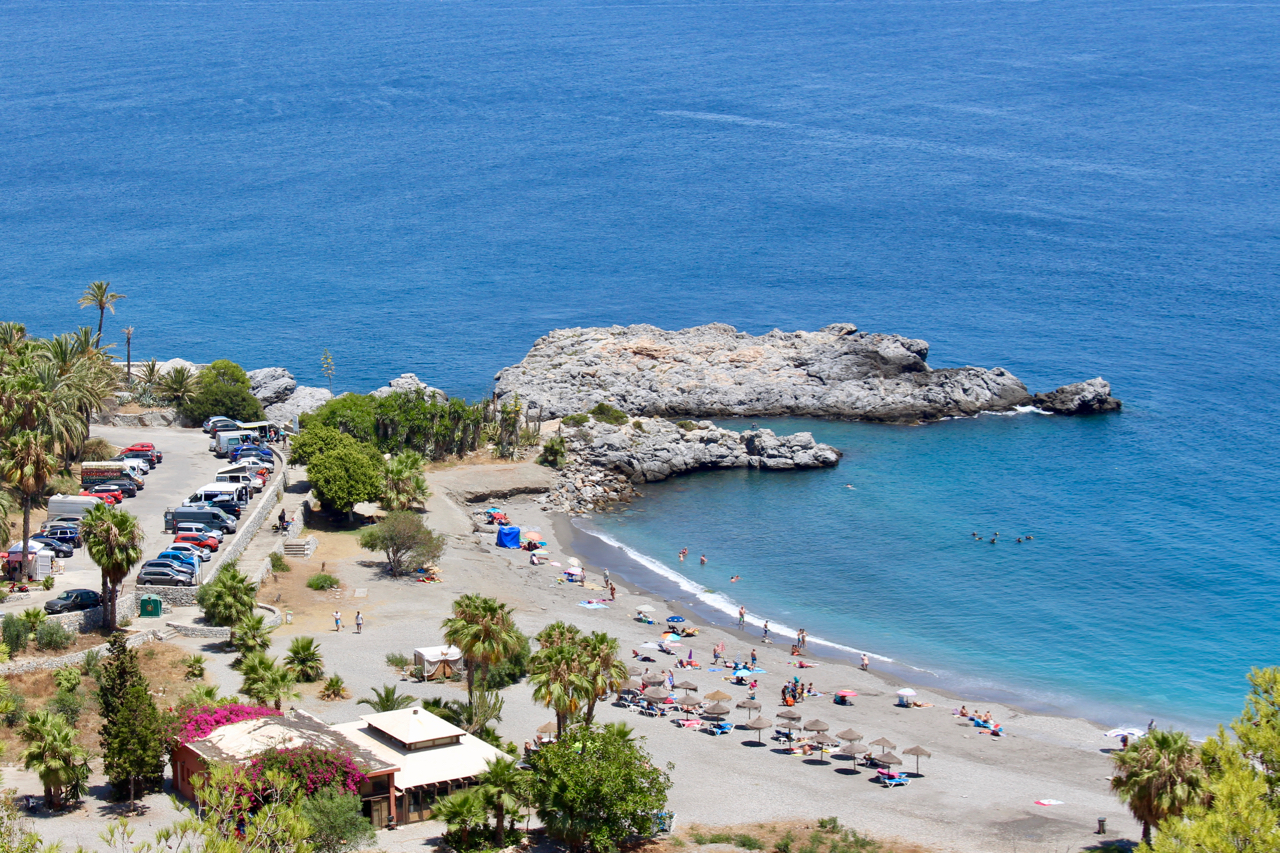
(109, 498)
(147, 446)
(196, 539)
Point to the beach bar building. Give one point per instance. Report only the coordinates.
(432, 757)
(410, 756)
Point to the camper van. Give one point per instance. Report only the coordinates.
(220, 492)
(213, 518)
(68, 505)
(224, 441)
(242, 479)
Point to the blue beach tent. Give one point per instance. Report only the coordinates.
(509, 537)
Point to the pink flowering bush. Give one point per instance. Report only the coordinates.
(197, 723)
(311, 767)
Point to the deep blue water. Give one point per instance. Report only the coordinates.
(1065, 189)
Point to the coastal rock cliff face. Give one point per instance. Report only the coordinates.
(300, 402)
(409, 382)
(1080, 398)
(271, 385)
(607, 461)
(715, 370)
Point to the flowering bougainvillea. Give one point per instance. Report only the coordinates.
(197, 723)
(311, 767)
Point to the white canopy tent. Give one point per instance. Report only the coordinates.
(438, 662)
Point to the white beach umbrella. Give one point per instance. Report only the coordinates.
(906, 691)
(645, 608)
(574, 561)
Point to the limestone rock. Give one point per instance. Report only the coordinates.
(410, 382)
(168, 366)
(271, 385)
(301, 401)
(715, 370)
(1080, 398)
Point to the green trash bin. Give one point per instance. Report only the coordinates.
(151, 607)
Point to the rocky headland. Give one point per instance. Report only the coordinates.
(717, 371)
(607, 461)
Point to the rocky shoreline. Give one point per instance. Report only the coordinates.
(717, 371)
(607, 461)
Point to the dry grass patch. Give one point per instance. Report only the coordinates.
(818, 836)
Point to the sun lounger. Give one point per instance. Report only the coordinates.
(895, 781)
(715, 729)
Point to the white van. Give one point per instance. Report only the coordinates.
(227, 440)
(66, 505)
(219, 492)
(242, 479)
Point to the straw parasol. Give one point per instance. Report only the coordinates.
(634, 671)
(816, 726)
(884, 743)
(789, 714)
(547, 728)
(657, 694)
(855, 749)
(750, 705)
(849, 734)
(689, 701)
(630, 684)
(888, 758)
(758, 725)
(719, 709)
(823, 741)
(718, 696)
(917, 751)
(652, 678)
(685, 685)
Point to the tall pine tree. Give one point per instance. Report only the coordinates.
(132, 741)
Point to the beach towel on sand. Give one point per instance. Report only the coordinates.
(593, 605)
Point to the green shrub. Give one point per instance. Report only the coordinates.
(47, 583)
(575, 420)
(395, 660)
(97, 450)
(17, 713)
(67, 678)
(508, 671)
(68, 704)
(418, 673)
(638, 425)
(4, 594)
(687, 426)
(92, 665)
(605, 413)
(748, 842)
(783, 844)
(34, 617)
(278, 563)
(195, 667)
(51, 635)
(321, 582)
(553, 452)
(334, 689)
(16, 632)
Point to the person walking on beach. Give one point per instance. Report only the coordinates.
(866, 662)
(751, 689)
(613, 592)
(742, 616)
(337, 621)
(359, 622)
(753, 658)
(765, 635)
(606, 578)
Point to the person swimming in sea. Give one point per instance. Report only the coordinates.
(734, 579)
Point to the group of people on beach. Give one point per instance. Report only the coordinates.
(982, 721)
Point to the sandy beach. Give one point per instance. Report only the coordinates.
(976, 793)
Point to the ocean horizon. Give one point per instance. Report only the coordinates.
(1064, 190)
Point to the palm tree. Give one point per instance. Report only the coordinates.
(128, 355)
(265, 681)
(304, 659)
(113, 538)
(201, 695)
(501, 786)
(558, 682)
(558, 811)
(251, 635)
(1158, 777)
(178, 385)
(27, 467)
(149, 374)
(404, 486)
(484, 631)
(461, 811)
(603, 670)
(98, 295)
(558, 634)
(228, 598)
(52, 753)
(386, 699)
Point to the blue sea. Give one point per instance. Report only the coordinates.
(1064, 189)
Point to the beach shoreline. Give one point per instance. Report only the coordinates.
(977, 793)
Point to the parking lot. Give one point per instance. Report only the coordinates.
(187, 466)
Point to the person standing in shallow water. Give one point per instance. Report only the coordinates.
(866, 662)
(765, 635)
(742, 616)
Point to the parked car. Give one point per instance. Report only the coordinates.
(59, 549)
(72, 600)
(127, 487)
(202, 554)
(146, 456)
(107, 493)
(64, 533)
(217, 422)
(173, 565)
(147, 446)
(138, 456)
(200, 540)
(231, 508)
(62, 520)
(158, 576)
(198, 528)
(110, 489)
(185, 559)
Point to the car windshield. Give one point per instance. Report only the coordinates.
(66, 596)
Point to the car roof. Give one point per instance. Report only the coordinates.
(68, 592)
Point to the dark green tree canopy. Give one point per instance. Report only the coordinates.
(404, 539)
(222, 388)
(345, 476)
(132, 739)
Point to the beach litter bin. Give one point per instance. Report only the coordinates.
(150, 607)
(288, 617)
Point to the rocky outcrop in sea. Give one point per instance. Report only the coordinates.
(606, 461)
(717, 371)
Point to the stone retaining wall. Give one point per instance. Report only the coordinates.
(248, 528)
(75, 659)
(85, 621)
(274, 618)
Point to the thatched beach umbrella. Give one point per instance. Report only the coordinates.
(888, 758)
(750, 705)
(789, 726)
(884, 743)
(718, 696)
(823, 741)
(758, 725)
(855, 749)
(816, 726)
(717, 710)
(634, 671)
(789, 714)
(849, 734)
(685, 685)
(917, 751)
(547, 728)
(657, 694)
(630, 684)
(652, 678)
(689, 704)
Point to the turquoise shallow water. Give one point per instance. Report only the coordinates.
(1065, 189)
